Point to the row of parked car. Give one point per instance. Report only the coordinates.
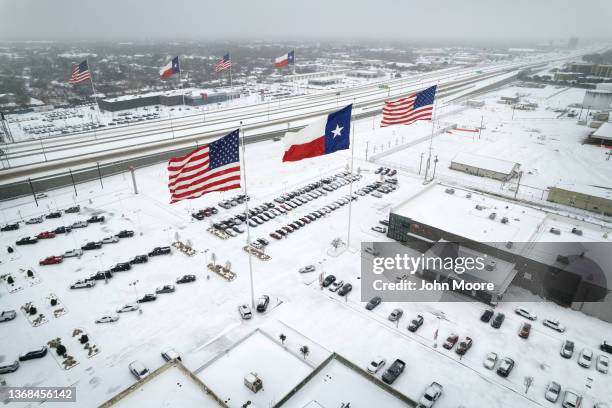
(385, 171)
(59, 230)
(119, 267)
(233, 202)
(335, 285)
(10, 367)
(244, 310)
(38, 220)
(378, 188)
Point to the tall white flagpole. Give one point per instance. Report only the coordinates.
(93, 90)
(230, 69)
(181, 81)
(348, 234)
(433, 118)
(248, 218)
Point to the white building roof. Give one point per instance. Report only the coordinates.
(604, 131)
(485, 162)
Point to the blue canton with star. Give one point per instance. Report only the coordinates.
(225, 150)
(338, 130)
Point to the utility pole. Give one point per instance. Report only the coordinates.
(480, 129)
(134, 179)
(518, 184)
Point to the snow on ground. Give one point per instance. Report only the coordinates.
(200, 320)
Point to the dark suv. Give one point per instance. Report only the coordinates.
(394, 371)
(121, 267)
(186, 279)
(138, 259)
(262, 304)
(486, 316)
(30, 355)
(160, 251)
(498, 321)
(329, 279)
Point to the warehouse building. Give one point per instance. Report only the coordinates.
(590, 198)
(192, 97)
(485, 166)
(597, 99)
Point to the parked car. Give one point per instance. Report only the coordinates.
(45, 235)
(83, 284)
(524, 331)
(102, 275)
(379, 229)
(160, 251)
(585, 358)
(113, 239)
(27, 241)
(165, 289)
(329, 279)
(554, 324)
(396, 314)
(10, 227)
(337, 284)
(376, 364)
(32, 354)
(245, 312)
(373, 303)
(108, 319)
(464, 346)
(186, 279)
(54, 214)
(521, 311)
(130, 307)
(170, 355)
(125, 234)
(307, 269)
(498, 320)
(149, 297)
(567, 349)
(430, 395)
(51, 260)
(415, 323)
(138, 370)
(505, 367)
(490, 360)
(73, 209)
(121, 267)
(95, 219)
(571, 399)
(62, 230)
(553, 390)
(79, 224)
(262, 303)
(35, 220)
(138, 259)
(394, 371)
(450, 342)
(7, 315)
(91, 245)
(345, 290)
(72, 253)
(7, 367)
(605, 346)
(602, 364)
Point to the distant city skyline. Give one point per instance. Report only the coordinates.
(437, 20)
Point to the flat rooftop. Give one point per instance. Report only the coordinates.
(485, 162)
(279, 369)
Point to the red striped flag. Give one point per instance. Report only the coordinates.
(212, 167)
(224, 63)
(404, 111)
(80, 73)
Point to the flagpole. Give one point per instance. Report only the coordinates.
(348, 234)
(248, 218)
(181, 82)
(231, 85)
(93, 90)
(435, 112)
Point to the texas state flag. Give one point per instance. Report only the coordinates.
(287, 59)
(323, 136)
(170, 69)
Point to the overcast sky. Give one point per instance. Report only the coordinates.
(295, 19)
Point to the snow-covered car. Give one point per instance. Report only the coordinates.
(521, 311)
(138, 370)
(430, 395)
(394, 371)
(7, 315)
(73, 210)
(83, 284)
(26, 241)
(32, 354)
(336, 285)
(262, 303)
(51, 260)
(553, 390)
(377, 228)
(567, 349)
(245, 312)
(113, 239)
(464, 346)
(45, 235)
(602, 364)
(170, 354)
(490, 361)
(73, 252)
(79, 224)
(451, 340)
(165, 289)
(149, 297)
(554, 324)
(186, 279)
(505, 367)
(130, 307)
(10, 227)
(108, 319)
(376, 364)
(415, 323)
(373, 303)
(395, 315)
(6, 368)
(585, 358)
(95, 219)
(35, 220)
(307, 269)
(54, 214)
(125, 234)
(91, 246)
(571, 399)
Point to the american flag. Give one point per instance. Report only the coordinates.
(223, 64)
(80, 73)
(404, 111)
(212, 167)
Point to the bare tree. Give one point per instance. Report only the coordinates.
(305, 351)
(282, 338)
(528, 382)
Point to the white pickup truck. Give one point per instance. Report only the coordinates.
(430, 396)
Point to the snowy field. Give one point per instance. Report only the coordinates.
(200, 319)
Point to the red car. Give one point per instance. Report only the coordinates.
(51, 260)
(450, 342)
(464, 346)
(525, 330)
(45, 235)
